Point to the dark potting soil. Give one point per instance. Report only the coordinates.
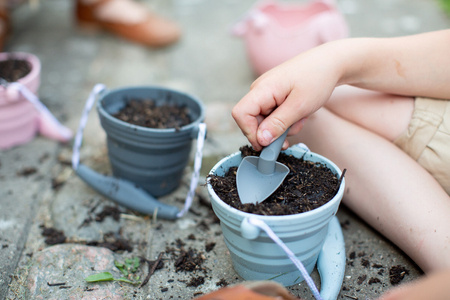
(13, 69)
(397, 273)
(145, 112)
(186, 260)
(110, 240)
(53, 236)
(307, 186)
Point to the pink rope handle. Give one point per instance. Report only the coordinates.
(64, 132)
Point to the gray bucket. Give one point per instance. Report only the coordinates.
(253, 253)
(153, 159)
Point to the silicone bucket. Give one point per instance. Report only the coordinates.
(153, 159)
(19, 120)
(22, 114)
(254, 255)
(274, 31)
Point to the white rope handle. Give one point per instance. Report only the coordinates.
(98, 88)
(262, 225)
(197, 166)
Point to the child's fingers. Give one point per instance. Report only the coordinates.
(289, 113)
(249, 113)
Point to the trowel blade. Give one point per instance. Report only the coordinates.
(254, 186)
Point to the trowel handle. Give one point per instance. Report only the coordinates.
(269, 155)
(126, 193)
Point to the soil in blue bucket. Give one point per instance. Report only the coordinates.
(308, 185)
(145, 112)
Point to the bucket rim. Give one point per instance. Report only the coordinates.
(34, 61)
(194, 124)
(319, 210)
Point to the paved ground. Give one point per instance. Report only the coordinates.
(209, 63)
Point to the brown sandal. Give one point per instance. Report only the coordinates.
(155, 31)
(255, 290)
(5, 26)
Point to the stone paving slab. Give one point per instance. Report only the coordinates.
(208, 63)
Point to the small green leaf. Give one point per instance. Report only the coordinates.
(105, 276)
(121, 267)
(132, 264)
(135, 264)
(123, 279)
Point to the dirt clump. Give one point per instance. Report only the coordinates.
(307, 186)
(146, 113)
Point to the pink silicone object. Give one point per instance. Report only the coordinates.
(275, 32)
(19, 119)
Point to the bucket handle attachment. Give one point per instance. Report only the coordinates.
(124, 192)
(331, 261)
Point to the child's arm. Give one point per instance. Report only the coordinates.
(417, 65)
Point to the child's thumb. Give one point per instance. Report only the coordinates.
(269, 130)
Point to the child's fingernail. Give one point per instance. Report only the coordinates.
(267, 136)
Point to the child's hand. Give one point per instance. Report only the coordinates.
(285, 96)
(289, 93)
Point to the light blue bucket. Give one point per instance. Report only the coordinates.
(254, 254)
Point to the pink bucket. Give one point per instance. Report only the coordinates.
(274, 32)
(20, 120)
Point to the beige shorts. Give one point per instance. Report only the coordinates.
(427, 139)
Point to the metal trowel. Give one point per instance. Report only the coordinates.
(258, 177)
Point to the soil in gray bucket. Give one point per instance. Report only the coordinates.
(13, 69)
(147, 114)
(307, 186)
